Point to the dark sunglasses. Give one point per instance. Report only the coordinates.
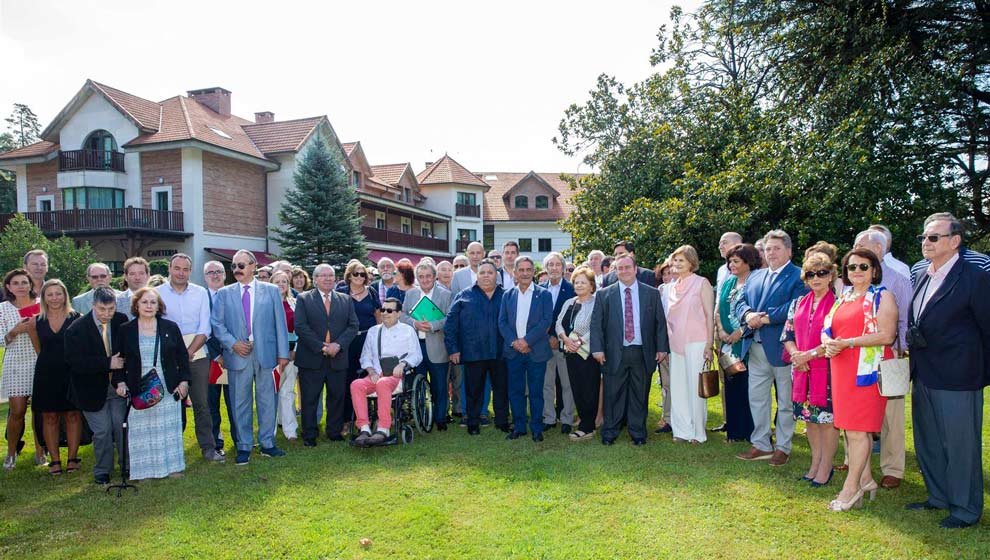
(239, 266)
(863, 267)
(933, 238)
(389, 310)
(495, 258)
(459, 266)
(361, 274)
(819, 273)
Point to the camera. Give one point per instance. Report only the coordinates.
(915, 338)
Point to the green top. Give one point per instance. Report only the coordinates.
(727, 298)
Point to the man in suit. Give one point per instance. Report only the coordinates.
(249, 321)
(523, 321)
(644, 275)
(560, 291)
(949, 340)
(215, 274)
(325, 324)
(762, 310)
(98, 275)
(467, 276)
(431, 333)
(92, 351)
(629, 339)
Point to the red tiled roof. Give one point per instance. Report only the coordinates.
(146, 113)
(186, 119)
(499, 210)
(389, 173)
(446, 170)
(349, 147)
(31, 150)
(281, 136)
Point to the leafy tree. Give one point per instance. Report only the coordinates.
(65, 260)
(23, 125)
(320, 219)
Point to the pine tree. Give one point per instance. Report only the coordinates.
(319, 215)
(23, 125)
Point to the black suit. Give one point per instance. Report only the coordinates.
(173, 357)
(950, 353)
(644, 275)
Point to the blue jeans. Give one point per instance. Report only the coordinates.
(214, 399)
(438, 383)
(525, 373)
(253, 379)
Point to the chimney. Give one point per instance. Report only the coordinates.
(264, 117)
(216, 98)
(429, 163)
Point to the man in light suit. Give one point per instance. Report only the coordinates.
(98, 276)
(629, 339)
(762, 310)
(326, 324)
(431, 333)
(560, 291)
(467, 276)
(249, 321)
(523, 321)
(644, 275)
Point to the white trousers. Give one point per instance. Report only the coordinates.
(287, 401)
(689, 412)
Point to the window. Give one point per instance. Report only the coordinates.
(407, 194)
(46, 203)
(544, 245)
(426, 229)
(380, 220)
(92, 197)
(102, 142)
(525, 245)
(406, 225)
(356, 179)
(467, 235)
(466, 198)
(542, 202)
(522, 202)
(489, 237)
(161, 198)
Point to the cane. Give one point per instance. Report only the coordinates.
(124, 459)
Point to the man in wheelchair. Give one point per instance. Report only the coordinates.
(389, 349)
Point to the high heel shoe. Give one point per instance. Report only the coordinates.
(839, 505)
(871, 488)
(816, 484)
(805, 478)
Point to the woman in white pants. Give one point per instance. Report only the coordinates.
(286, 413)
(690, 325)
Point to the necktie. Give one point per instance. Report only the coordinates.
(246, 306)
(105, 332)
(326, 307)
(627, 316)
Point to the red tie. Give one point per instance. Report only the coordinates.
(627, 315)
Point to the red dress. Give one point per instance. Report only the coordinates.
(858, 409)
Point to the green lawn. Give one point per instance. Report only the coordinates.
(449, 495)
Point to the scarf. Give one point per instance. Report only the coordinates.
(869, 356)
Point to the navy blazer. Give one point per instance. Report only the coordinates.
(608, 322)
(472, 325)
(643, 275)
(956, 328)
(786, 287)
(540, 311)
(566, 293)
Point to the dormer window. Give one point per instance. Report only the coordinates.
(542, 202)
(101, 141)
(521, 201)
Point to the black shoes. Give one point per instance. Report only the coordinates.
(504, 428)
(608, 441)
(548, 426)
(951, 522)
(515, 435)
(639, 441)
(309, 442)
(666, 429)
(441, 426)
(474, 431)
(538, 437)
(918, 506)
(565, 429)
(718, 428)
(102, 479)
(335, 437)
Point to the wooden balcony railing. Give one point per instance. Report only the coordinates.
(472, 210)
(90, 160)
(100, 220)
(376, 235)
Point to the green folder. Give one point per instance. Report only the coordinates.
(426, 310)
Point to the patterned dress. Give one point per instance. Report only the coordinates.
(19, 356)
(154, 436)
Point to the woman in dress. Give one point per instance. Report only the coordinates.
(741, 260)
(858, 333)
(810, 389)
(573, 321)
(690, 318)
(405, 278)
(150, 343)
(20, 343)
(51, 376)
(287, 390)
(367, 307)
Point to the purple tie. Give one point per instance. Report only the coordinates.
(629, 330)
(246, 305)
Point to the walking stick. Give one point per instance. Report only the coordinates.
(125, 470)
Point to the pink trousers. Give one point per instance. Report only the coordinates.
(361, 388)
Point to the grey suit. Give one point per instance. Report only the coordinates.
(435, 359)
(461, 281)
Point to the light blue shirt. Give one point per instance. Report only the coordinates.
(634, 294)
(189, 309)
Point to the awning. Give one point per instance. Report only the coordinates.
(228, 255)
(374, 255)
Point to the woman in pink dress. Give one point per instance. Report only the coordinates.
(858, 333)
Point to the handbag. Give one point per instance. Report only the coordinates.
(894, 377)
(708, 382)
(730, 363)
(387, 364)
(150, 389)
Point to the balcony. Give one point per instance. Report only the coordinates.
(387, 236)
(91, 160)
(105, 221)
(469, 210)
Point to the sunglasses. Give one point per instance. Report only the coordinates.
(495, 258)
(459, 266)
(933, 238)
(99, 276)
(239, 266)
(863, 267)
(360, 274)
(389, 310)
(819, 273)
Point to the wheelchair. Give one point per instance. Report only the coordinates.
(412, 409)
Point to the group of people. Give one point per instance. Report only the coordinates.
(577, 350)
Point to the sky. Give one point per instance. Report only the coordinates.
(485, 82)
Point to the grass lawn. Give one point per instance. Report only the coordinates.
(449, 495)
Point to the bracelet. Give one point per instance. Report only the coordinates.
(851, 345)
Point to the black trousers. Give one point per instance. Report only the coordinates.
(625, 394)
(586, 379)
(311, 384)
(474, 388)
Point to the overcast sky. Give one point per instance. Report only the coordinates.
(485, 82)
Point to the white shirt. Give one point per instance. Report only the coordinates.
(634, 294)
(507, 280)
(474, 276)
(398, 341)
(190, 309)
(897, 265)
(723, 273)
(935, 279)
(598, 280)
(523, 303)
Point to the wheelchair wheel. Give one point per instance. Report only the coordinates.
(422, 404)
(407, 434)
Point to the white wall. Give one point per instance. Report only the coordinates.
(443, 199)
(513, 231)
(279, 182)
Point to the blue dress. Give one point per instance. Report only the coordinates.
(154, 435)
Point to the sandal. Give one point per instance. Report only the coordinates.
(73, 464)
(57, 471)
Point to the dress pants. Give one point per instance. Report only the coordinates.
(761, 377)
(557, 369)
(287, 402)
(255, 386)
(625, 391)
(586, 380)
(199, 394)
(455, 376)
(892, 439)
(361, 388)
(214, 398)
(689, 414)
(487, 395)
(107, 424)
(311, 384)
(948, 445)
(477, 377)
(437, 374)
(526, 375)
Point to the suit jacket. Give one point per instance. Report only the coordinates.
(271, 337)
(461, 281)
(785, 288)
(643, 275)
(566, 293)
(83, 303)
(436, 351)
(540, 312)
(213, 347)
(955, 326)
(313, 323)
(89, 365)
(607, 326)
(173, 358)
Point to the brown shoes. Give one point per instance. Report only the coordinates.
(755, 454)
(890, 482)
(779, 459)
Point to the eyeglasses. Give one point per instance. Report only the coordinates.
(459, 266)
(99, 276)
(214, 272)
(389, 310)
(496, 258)
(361, 274)
(819, 273)
(239, 266)
(863, 267)
(933, 238)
